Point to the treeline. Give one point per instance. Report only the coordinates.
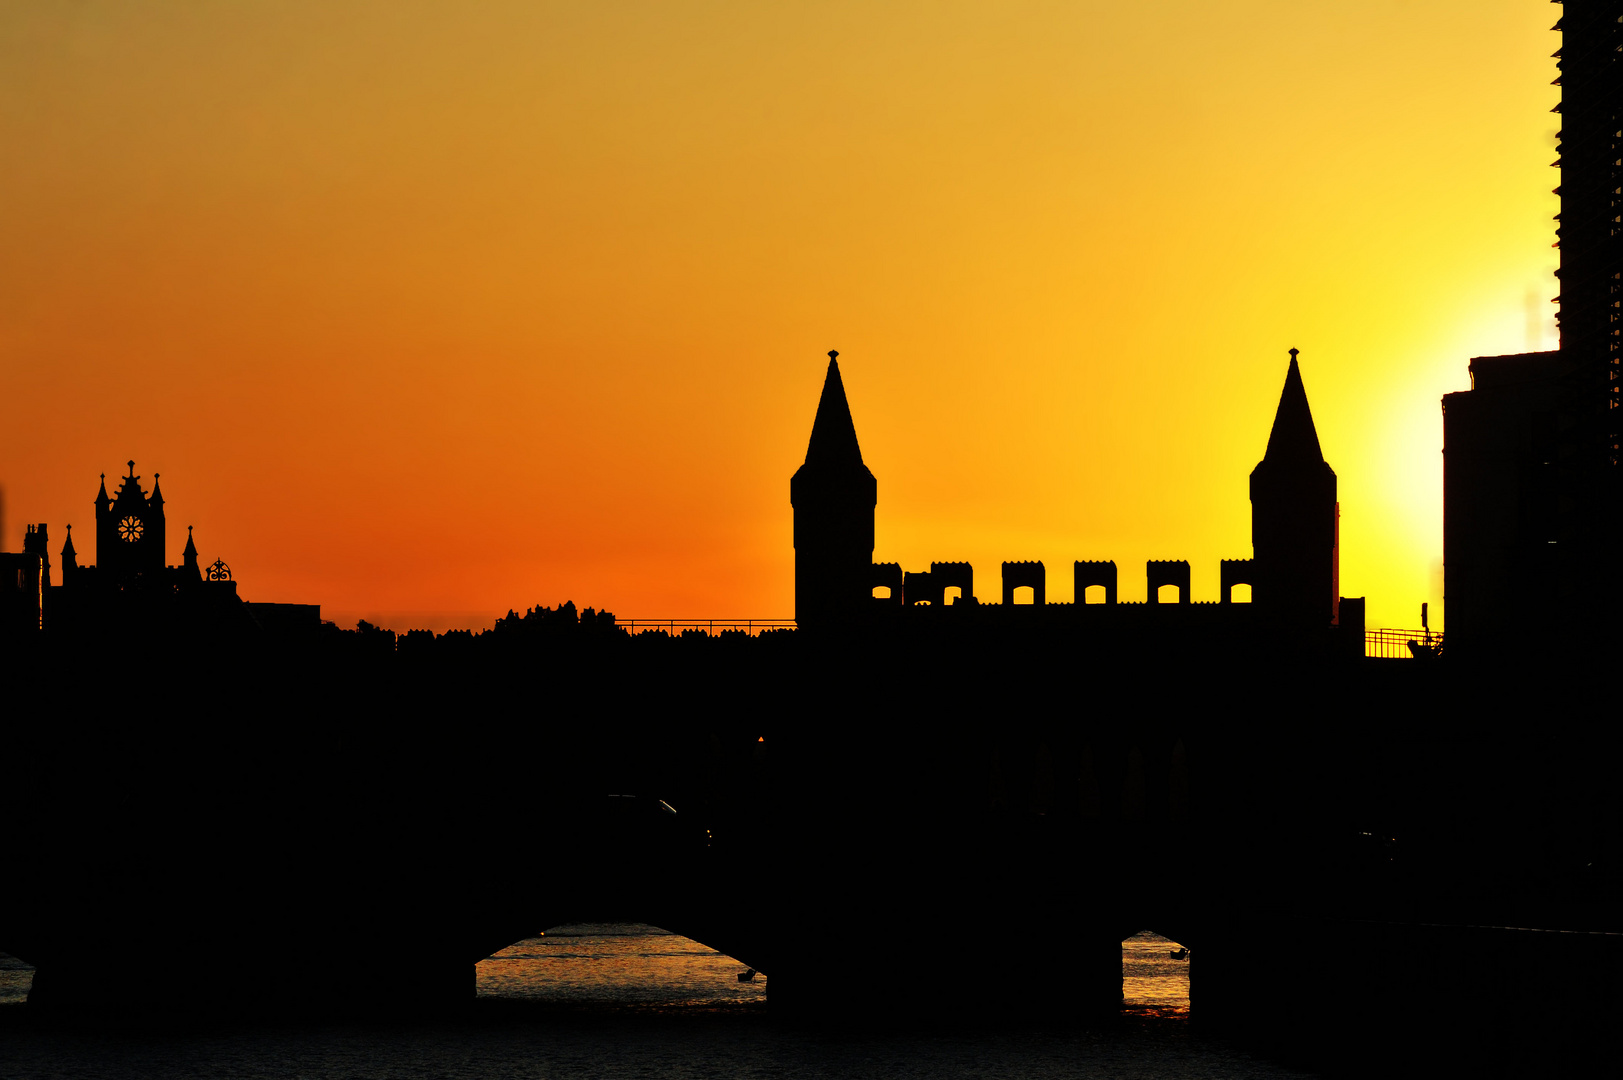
(564, 623)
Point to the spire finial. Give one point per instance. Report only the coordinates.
(188, 531)
(1293, 436)
(132, 468)
(834, 437)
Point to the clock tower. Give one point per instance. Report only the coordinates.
(129, 532)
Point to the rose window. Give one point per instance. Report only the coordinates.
(130, 529)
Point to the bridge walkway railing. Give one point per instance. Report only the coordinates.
(1391, 644)
(710, 627)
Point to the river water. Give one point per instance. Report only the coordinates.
(618, 1000)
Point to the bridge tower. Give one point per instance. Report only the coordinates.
(833, 495)
(1293, 516)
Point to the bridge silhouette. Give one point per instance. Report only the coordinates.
(387, 810)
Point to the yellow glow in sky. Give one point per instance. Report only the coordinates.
(427, 311)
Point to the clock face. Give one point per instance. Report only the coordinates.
(130, 529)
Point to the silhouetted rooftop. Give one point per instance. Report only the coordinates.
(1516, 369)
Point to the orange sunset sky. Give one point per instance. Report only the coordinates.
(427, 311)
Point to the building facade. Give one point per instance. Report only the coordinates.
(1531, 525)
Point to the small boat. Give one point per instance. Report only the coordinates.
(747, 975)
(1179, 954)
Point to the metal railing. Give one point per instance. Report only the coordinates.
(711, 627)
(1389, 644)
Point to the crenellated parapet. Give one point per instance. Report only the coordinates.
(1018, 575)
(1232, 572)
(1161, 572)
(1292, 579)
(955, 575)
(1091, 572)
(919, 586)
(929, 587)
(886, 575)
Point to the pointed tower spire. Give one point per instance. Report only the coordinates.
(833, 495)
(1294, 439)
(70, 558)
(157, 496)
(834, 436)
(102, 501)
(1294, 516)
(188, 558)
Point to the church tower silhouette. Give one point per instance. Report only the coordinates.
(1293, 515)
(833, 495)
(129, 531)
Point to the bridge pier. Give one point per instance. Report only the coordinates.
(1098, 977)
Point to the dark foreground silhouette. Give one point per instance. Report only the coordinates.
(333, 799)
(920, 762)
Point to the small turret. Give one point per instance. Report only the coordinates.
(1293, 514)
(70, 559)
(833, 495)
(188, 559)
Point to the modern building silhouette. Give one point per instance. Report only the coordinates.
(1293, 573)
(1531, 450)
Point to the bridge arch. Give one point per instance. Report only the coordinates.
(886, 576)
(619, 962)
(1151, 979)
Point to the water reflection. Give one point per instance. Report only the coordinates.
(1150, 978)
(628, 1001)
(617, 964)
(633, 964)
(15, 979)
